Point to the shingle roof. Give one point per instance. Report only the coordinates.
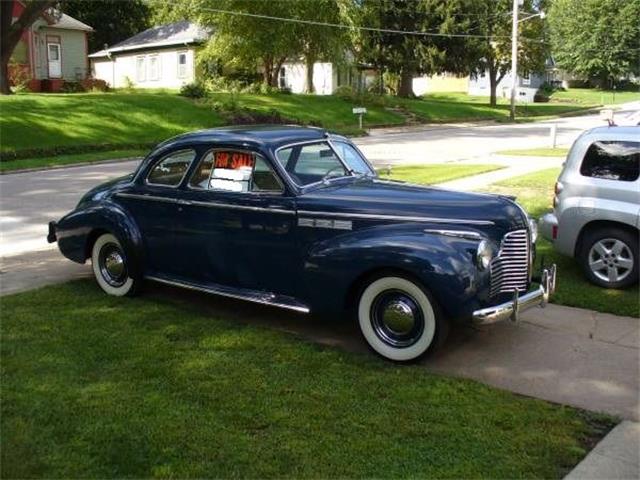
(178, 33)
(65, 21)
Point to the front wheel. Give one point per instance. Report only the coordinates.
(110, 266)
(399, 319)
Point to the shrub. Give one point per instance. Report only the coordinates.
(575, 83)
(71, 87)
(19, 77)
(540, 97)
(94, 85)
(224, 85)
(345, 92)
(193, 90)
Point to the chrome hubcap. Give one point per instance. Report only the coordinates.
(611, 260)
(397, 318)
(112, 265)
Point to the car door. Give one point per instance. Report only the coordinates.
(153, 202)
(236, 224)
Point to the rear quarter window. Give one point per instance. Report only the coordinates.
(612, 160)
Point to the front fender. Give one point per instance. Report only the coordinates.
(77, 229)
(443, 264)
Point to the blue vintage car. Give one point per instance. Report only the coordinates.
(297, 218)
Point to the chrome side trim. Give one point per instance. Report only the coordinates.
(206, 204)
(264, 299)
(373, 216)
(154, 198)
(455, 233)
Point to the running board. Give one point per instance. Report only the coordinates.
(255, 296)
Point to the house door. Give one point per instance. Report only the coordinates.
(53, 57)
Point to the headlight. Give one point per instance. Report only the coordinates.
(484, 255)
(533, 228)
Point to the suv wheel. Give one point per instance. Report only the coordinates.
(609, 257)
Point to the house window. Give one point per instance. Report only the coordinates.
(154, 67)
(526, 79)
(282, 78)
(141, 70)
(182, 64)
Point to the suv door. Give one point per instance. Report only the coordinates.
(236, 224)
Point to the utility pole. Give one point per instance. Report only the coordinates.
(514, 59)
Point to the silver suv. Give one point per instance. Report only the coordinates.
(596, 207)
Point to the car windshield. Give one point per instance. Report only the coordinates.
(353, 158)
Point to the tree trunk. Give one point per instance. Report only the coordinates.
(405, 89)
(276, 72)
(493, 86)
(267, 70)
(5, 88)
(310, 61)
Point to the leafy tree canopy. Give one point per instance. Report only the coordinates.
(596, 38)
(113, 20)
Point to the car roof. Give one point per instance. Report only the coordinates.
(269, 136)
(615, 129)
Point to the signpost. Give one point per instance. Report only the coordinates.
(360, 111)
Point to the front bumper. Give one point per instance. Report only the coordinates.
(511, 310)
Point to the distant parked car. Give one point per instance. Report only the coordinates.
(297, 218)
(596, 207)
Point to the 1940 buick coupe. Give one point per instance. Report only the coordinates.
(297, 218)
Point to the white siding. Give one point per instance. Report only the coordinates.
(479, 86)
(119, 67)
(296, 74)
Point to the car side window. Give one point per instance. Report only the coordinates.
(612, 160)
(311, 163)
(235, 171)
(170, 171)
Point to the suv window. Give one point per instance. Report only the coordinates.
(235, 171)
(612, 160)
(171, 169)
(311, 163)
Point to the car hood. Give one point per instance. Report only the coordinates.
(384, 198)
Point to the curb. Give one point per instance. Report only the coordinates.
(70, 165)
(616, 456)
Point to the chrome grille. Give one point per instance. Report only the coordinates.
(510, 269)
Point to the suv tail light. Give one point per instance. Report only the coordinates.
(558, 188)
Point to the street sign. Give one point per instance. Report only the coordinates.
(359, 110)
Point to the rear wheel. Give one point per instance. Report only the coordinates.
(110, 266)
(399, 319)
(609, 257)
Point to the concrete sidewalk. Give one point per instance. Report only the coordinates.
(616, 456)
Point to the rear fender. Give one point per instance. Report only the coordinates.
(78, 230)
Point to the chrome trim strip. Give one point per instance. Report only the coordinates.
(262, 301)
(455, 233)
(147, 197)
(372, 216)
(206, 204)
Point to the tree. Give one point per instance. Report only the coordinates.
(596, 38)
(11, 32)
(114, 20)
(408, 55)
(492, 18)
(318, 42)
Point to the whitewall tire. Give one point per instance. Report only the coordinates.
(399, 319)
(110, 268)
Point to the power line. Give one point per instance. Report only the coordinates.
(369, 29)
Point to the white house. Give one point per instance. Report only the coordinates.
(526, 86)
(327, 77)
(160, 57)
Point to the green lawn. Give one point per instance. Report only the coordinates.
(594, 96)
(448, 107)
(99, 386)
(430, 174)
(535, 193)
(45, 162)
(537, 152)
